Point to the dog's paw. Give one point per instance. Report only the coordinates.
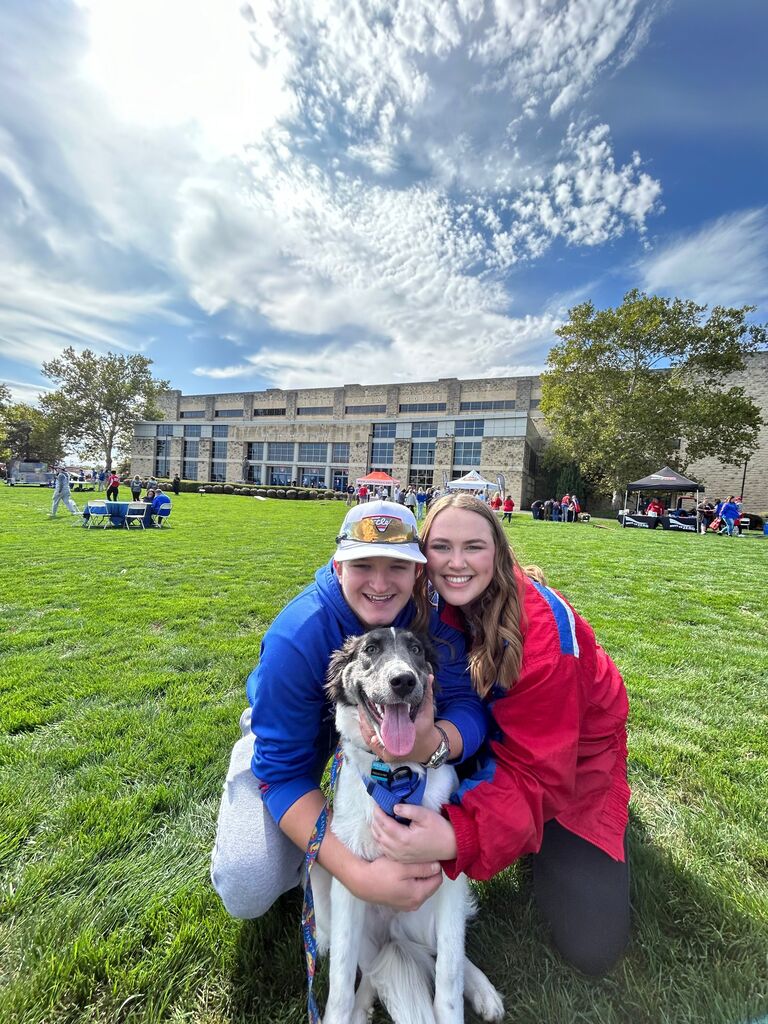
(487, 1003)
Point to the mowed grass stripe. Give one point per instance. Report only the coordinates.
(124, 656)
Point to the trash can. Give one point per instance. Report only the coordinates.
(765, 529)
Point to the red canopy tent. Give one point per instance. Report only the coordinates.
(377, 477)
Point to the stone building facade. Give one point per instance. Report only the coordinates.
(750, 481)
(423, 433)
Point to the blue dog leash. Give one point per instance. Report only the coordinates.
(388, 786)
(308, 922)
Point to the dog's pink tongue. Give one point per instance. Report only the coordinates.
(397, 730)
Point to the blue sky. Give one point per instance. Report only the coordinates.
(296, 194)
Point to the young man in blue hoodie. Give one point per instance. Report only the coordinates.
(272, 796)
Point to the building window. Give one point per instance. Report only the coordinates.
(162, 467)
(219, 450)
(164, 430)
(192, 415)
(222, 413)
(535, 403)
(421, 478)
(221, 430)
(269, 412)
(422, 407)
(469, 428)
(314, 410)
(313, 452)
(311, 476)
(253, 474)
(423, 453)
(340, 452)
(384, 429)
(162, 449)
(255, 451)
(382, 452)
(496, 405)
(189, 470)
(193, 430)
(279, 476)
(340, 480)
(363, 410)
(466, 453)
(218, 472)
(280, 450)
(427, 428)
(191, 449)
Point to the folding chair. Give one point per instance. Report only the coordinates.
(162, 512)
(97, 510)
(135, 513)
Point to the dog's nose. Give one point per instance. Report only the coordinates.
(403, 684)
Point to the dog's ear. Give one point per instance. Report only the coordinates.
(334, 676)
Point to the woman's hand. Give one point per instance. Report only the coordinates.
(400, 886)
(430, 836)
(427, 737)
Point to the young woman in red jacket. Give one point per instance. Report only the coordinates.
(553, 782)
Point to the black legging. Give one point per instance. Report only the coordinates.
(112, 493)
(583, 895)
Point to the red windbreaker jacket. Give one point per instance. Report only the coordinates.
(560, 750)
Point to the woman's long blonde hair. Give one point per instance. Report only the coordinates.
(495, 620)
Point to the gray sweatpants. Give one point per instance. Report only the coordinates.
(66, 497)
(253, 862)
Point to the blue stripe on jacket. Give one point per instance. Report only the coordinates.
(566, 624)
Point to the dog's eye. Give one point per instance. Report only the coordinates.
(415, 649)
(370, 648)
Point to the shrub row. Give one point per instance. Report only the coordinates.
(288, 493)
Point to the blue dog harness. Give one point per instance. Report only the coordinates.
(390, 785)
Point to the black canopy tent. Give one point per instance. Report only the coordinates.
(666, 480)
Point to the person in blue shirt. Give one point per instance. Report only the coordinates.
(730, 514)
(272, 797)
(159, 498)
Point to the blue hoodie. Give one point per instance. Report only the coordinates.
(291, 716)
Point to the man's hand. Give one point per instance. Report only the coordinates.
(429, 837)
(400, 886)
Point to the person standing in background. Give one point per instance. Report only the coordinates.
(113, 484)
(61, 492)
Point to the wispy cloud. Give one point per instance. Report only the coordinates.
(723, 263)
(373, 171)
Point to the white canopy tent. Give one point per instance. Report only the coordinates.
(472, 481)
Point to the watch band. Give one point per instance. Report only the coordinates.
(442, 752)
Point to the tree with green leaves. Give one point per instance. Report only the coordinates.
(98, 399)
(28, 434)
(645, 385)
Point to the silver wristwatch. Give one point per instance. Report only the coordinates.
(442, 753)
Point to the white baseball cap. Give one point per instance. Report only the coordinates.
(379, 529)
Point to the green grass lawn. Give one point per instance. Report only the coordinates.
(124, 656)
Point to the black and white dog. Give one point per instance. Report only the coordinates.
(413, 962)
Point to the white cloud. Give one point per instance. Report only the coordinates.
(370, 170)
(724, 263)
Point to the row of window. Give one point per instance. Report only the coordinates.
(382, 452)
(496, 405)
(426, 428)
(280, 476)
(191, 430)
(486, 405)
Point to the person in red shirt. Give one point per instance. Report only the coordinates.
(509, 508)
(496, 502)
(655, 508)
(553, 780)
(113, 485)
